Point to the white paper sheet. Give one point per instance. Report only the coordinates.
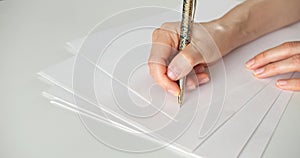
(120, 64)
(66, 98)
(111, 76)
(237, 131)
(254, 147)
(259, 141)
(110, 131)
(236, 78)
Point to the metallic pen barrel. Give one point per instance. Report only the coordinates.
(188, 11)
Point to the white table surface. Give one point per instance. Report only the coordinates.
(32, 36)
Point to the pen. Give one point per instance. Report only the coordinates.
(188, 11)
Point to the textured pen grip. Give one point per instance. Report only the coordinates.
(186, 23)
(188, 12)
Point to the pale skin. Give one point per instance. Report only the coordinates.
(242, 24)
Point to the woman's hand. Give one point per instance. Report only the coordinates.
(212, 40)
(208, 44)
(279, 60)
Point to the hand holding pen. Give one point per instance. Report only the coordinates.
(212, 40)
(167, 65)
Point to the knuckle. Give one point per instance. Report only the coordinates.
(151, 70)
(170, 27)
(149, 66)
(155, 33)
(262, 56)
(296, 59)
(167, 25)
(289, 46)
(150, 59)
(271, 67)
(150, 62)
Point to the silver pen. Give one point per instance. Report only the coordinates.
(188, 12)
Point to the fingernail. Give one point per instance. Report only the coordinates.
(205, 80)
(172, 74)
(173, 92)
(200, 69)
(281, 83)
(250, 63)
(259, 71)
(190, 85)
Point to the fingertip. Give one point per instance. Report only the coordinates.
(190, 85)
(159, 73)
(281, 83)
(259, 72)
(204, 80)
(249, 64)
(257, 76)
(194, 81)
(289, 84)
(168, 85)
(173, 75)
(172, 87)
(173, 92)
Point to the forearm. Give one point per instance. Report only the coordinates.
(254, 18)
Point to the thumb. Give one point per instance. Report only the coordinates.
(183, 63)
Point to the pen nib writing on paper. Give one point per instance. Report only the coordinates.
(188, 11)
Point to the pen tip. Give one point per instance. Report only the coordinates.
(179, 99)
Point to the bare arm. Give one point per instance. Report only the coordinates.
(255, 18)
(242, 24)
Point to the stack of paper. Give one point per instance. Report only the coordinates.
(107, 82)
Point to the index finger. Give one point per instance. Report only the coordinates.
(280, 52)
(164, 43)
(159, 72)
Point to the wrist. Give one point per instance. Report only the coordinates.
(225, 36)
(229, 35)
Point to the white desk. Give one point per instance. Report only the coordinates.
(32, 36)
